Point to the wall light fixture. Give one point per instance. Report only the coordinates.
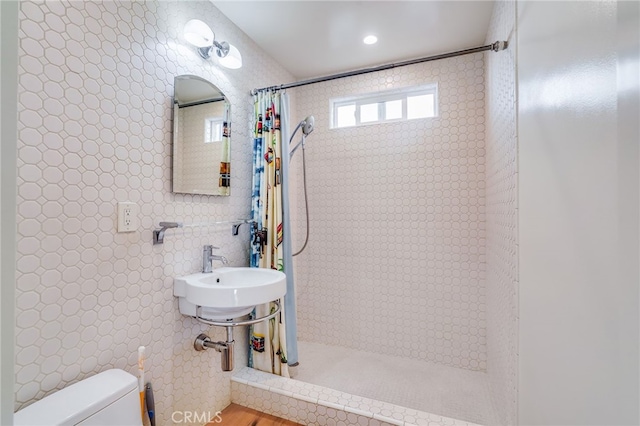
(201, 36)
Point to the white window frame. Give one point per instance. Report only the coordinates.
(381, 98)
(209, 124)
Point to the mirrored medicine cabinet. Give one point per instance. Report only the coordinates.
(201, 162)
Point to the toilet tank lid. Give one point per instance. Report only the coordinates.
(75, 403)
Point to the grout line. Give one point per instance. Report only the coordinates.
(358, 412)
(239, 380)
(259, 386)
(331, 405)
(305, 398)
(282, 392)
(388, 420)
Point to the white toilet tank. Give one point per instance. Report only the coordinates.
(110, 398)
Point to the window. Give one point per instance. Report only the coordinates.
(212, 129)
(396, 105)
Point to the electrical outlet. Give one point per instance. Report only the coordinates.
(127, 217)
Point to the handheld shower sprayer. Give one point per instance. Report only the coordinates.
(307, 126)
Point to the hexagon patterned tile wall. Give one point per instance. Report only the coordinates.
(502, 233)
(397, 221)
(96, 81)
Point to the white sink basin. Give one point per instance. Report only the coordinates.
(228, 293)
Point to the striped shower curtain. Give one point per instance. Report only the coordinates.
(268, 338)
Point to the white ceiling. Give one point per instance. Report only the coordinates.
(314, 38)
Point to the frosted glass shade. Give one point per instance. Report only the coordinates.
(198, 33)
(233, 59)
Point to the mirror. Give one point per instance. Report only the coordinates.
(201, 138)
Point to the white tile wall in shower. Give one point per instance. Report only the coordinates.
(96, 80)
(395, 261)
(502, 205)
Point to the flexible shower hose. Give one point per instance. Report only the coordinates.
(306, 202)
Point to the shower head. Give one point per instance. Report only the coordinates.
(308, 125)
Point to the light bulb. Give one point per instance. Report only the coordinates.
(370, 39)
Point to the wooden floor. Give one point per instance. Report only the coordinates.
(237, 415)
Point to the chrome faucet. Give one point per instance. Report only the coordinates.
(208, 257)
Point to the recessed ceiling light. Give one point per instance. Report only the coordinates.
(370, 39)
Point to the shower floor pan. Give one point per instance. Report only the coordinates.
(346, 387)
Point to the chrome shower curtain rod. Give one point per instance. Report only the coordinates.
(496, 47)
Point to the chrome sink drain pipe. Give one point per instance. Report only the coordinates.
(226, 348)
(203, 342)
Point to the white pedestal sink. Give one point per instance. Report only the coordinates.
(228, 293)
